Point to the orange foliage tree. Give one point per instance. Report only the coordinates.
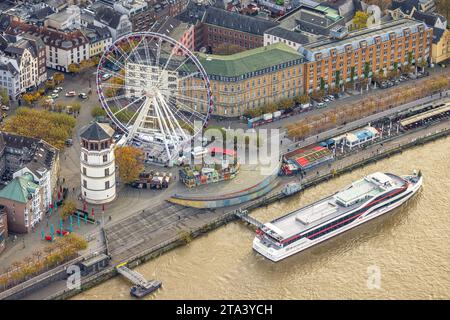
(130, 163)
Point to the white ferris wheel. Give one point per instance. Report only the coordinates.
(156, 91)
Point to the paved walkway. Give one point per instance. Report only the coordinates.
(130, 201)
(151, 228)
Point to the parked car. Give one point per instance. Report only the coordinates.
(59, 89)
(6, 108)
(412, 76)
(330, 97)
(83, 95)
(55, 91)
(69, 142)
(106, 76)
(71, 94)
(54, 95)
(321, 105)
(325, 99)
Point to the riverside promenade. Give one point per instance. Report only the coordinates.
(180, 228)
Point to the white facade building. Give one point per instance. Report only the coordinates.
(67, 19)
(62, 48)
(42, 178)
(28, 61)
(61, 53)
(98, 174)
(10, 76)
(117, 23)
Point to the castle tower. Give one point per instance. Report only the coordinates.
(98, 169)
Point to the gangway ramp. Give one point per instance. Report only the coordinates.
(141, 286)
(243, 215)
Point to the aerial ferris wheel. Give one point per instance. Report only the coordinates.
(156, 91)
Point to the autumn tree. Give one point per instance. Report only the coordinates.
(54, 128)
(98, 112)
(67, 209)
(58, 77)
(130, 163)
(59, 107)
(31, 97)
(76, 107)
(360, 20)
(74, 68)
(285, 104)
(50, 84)
(302, 99)
(4, 98)
(45, 103)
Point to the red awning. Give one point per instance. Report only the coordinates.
(228, 152)
(302, 161)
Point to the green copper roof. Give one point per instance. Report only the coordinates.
(248, 61)
(19, 189)
(331, 13)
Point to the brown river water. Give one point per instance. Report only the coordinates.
(410, 247)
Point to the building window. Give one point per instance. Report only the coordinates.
(84, 170)
(106, 172)
(105, 158)
(84, 183)
(107, 185)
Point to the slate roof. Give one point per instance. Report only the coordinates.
(193, 13)
(405, 6)
(19, 189)
(294, 36)
(437, 34)
(5, 21)
(96, 33)
(236, 21)
(42, 153)
(3, 43)
(8, 66)
(54, 38)
(41, 14)
(97, 131)
(429, 18)
(108, 16)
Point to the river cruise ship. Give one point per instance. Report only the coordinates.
(365, 199)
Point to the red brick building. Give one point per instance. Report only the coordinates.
(395, 45)
(223, 27)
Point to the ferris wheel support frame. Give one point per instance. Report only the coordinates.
(168, 123)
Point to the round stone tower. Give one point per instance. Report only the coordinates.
(98, 169)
